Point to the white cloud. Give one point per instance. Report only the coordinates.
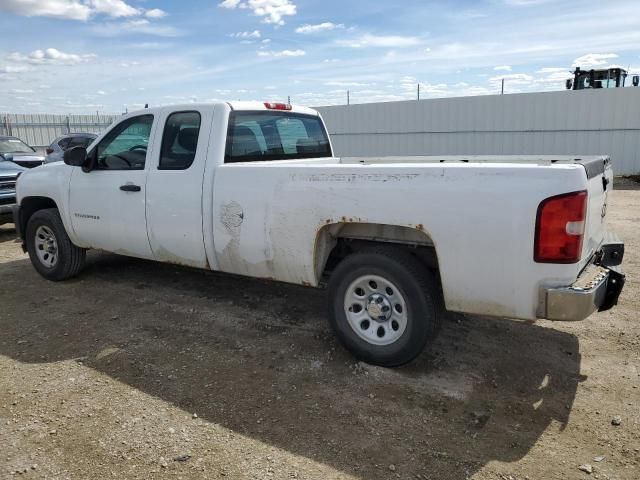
(12, 69)
(136, 26)
(593, 59)
(513, 79)
(551, 70)
(50, 56)
(113, 8)
(272, 11)
(71, 9)
(320, 27)
(246, 35)
(381, 41)
(335, 83)
(155, 13)
(503, 68)
(282, 53)
(77, 9)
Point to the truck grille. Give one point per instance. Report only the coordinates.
(7, 185)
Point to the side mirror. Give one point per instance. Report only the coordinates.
(76, 156)
(569, 84)
(7, 157)
(635, 80)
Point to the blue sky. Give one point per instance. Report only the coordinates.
(60, 56)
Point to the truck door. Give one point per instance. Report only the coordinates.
(108, 203)
(174, 187)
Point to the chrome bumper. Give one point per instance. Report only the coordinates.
(596, 289)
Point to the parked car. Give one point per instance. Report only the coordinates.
(253, 189)
(9, 173)
(18, 152)
(59, 145)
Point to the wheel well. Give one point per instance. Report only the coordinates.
(335, 242)
(29, 206)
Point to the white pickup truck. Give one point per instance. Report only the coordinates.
(254, 189)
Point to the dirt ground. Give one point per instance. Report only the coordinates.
(144, 370)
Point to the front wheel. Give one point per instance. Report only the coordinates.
(50, 249)
(384, 306)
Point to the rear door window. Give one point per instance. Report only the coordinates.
(179, 141)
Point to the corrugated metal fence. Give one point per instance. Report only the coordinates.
(39, 130)
(577, 123)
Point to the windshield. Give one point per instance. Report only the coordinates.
(263, 136)
(13, 145)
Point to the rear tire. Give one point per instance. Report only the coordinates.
(50, 249)
(384, 305)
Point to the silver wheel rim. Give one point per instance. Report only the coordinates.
(46, 246)
(376, 310)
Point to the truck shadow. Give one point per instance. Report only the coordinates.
(259, 359)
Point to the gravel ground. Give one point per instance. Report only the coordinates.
(144, 370)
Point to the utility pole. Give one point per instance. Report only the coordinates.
(502, 89)
(418, 91)
(288, 99)
(348, 100)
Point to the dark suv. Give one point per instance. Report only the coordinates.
(65, 142)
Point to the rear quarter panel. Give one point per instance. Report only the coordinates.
(481, 219)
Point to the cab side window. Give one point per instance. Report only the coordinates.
(179, 141)
(125, 147)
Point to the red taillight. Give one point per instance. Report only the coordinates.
(277, 106)
(560, 228)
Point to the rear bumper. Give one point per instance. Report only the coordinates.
(596, 289)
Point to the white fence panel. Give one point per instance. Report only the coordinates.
(587, 122)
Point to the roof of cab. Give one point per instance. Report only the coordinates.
(236, 105)
(260, 106)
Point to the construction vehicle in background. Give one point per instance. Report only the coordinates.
(603, 78)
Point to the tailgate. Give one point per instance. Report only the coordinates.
(600, 184)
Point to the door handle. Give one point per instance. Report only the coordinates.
(129, 187)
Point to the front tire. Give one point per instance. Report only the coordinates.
(384, 306)
(50, 249)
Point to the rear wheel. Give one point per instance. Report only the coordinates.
(384, 305)
(50, 249)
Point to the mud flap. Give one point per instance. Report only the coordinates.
(614, 287)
